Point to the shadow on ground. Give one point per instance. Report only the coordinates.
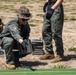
(69, 57)
(30, 64)
(33, 63)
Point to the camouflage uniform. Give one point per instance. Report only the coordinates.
(10, 36)
(52, 29)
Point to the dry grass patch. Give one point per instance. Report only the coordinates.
(59, 66)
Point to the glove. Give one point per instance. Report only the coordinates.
(24, 44)
(49, 12)
(22, 48)
(44, 7)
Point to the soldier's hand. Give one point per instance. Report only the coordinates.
(20, 41)
(44, 7)
(49, 12)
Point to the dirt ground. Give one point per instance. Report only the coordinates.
(7, 12)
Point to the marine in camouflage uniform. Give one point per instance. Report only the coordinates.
(52, 29)
(15, 32)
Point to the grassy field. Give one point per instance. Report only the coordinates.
(8, 12)
(40, 72)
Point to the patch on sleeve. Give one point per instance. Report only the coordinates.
(14, 28)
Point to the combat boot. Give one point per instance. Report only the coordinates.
(10, 66)
(17, 64)
(47, 56)
(57, 59)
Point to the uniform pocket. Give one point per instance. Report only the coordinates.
(56, 15)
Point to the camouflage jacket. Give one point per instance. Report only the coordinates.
(16, 31)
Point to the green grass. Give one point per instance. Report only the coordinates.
(10, 0)
(73, 19)
(24, 2)
(36, 21)
(7, 8)
(33, 25)
(72, 49)
(40, 72)
(41, 15)
(70, 19)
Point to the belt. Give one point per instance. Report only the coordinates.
(51, 1)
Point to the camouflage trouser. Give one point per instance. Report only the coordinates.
(53, 29)
(9, 44)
